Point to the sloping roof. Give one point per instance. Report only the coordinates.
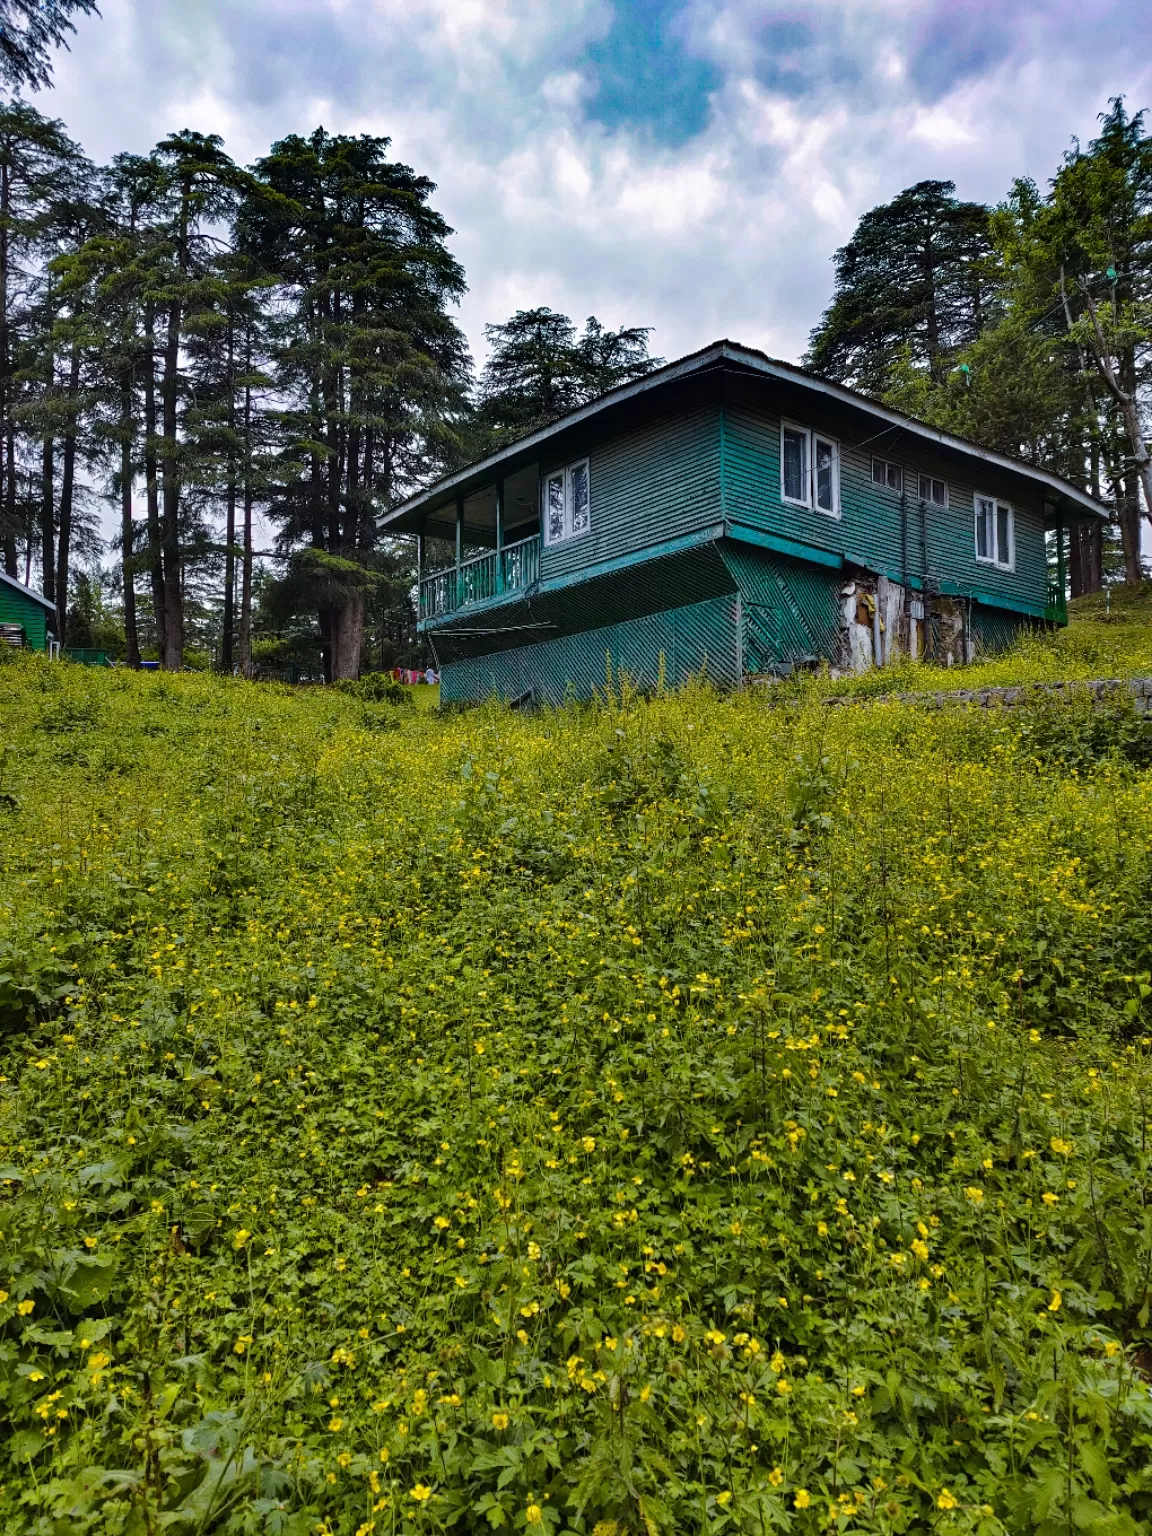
(37, 597)
(718, 355)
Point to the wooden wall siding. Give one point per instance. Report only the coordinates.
(648, 484)
(675, 645)
(15, 608)
(792, 607)
(996, 629)
(868, 531)
(672, 581)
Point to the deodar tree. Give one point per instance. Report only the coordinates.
(29, 30)
(912, 289)
(37, 160)
(371, 368)
(538, 368)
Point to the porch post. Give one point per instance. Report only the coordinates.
(500, 534)
(420, 570)
(459, 549)
(1062, 599)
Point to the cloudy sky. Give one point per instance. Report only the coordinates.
(685, 164)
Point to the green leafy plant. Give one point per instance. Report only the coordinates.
(682, 1115)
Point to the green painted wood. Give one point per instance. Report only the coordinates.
(783, 546)
(994, 600)
(665, 648)
(869, 531)
(680, 578)
(791, 606)
(32, 616)
(637, 568)
(656, 482)
(995, 629)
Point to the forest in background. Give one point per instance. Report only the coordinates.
(214, 350)
(1027, 327)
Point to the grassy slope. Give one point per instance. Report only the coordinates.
(679, 1116)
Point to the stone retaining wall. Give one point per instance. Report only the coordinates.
(1006, 698)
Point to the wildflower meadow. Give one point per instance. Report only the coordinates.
(693, 1114)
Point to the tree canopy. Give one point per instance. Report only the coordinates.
(914, 282)
(540, 368)
(29, 30)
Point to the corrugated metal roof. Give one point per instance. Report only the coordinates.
(719, 355)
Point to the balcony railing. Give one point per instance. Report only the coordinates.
(484, 576)
(1056, 609)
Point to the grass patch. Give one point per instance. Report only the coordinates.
(678, 1116)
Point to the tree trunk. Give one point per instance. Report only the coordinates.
(67, 490)
(226, 662)
(244, 639)
(172, 657)
(173, 653)
(1120, 380)
(1128, 514)
(131, 637)
(152, 483)
(1084, 562)
(367, 531)
(48, 520)
(347, 631)
(10, 566)
(6, 436)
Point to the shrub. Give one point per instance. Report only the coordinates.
(677, 1116)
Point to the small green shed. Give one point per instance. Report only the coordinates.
(27, 617)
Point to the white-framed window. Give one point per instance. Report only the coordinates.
(995, 533)
(885, 473)
(567, 503)
(809, 469)
(933, 491)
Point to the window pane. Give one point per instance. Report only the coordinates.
(879, 472)
(1003, 536)
(580, 498)
(825, 469)
(926, 488)
(983, 529)
(796, 465)
(555, 526)
(895, 477)
(939, 493)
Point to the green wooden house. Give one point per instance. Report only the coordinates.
(27, 618)
(733, 516)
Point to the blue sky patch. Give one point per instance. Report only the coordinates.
(646, 75)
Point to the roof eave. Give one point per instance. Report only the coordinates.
(525, 446)
(37, 597)
(757, 362)
(788, 373)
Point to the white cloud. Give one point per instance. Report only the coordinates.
(819, 112)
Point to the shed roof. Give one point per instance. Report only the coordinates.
(729, 355)
(37, 597)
